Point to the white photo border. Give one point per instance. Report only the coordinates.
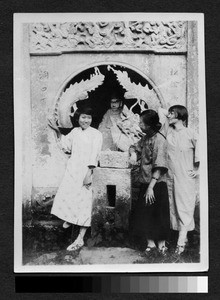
(20, 81)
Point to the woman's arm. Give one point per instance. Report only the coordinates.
(149, 196)
(163, 117)
(135, 151)
(195, 141)
(54, 126)
(93, 159)
(88, 178)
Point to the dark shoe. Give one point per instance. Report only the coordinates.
(149, 250)
(163, 250)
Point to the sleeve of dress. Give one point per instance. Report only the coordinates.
(95, 149)
(159, 157)
(195, 142)
(163, 113)
(137, 148)
(66, 142)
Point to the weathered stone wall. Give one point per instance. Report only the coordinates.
(169, 62)
(48, 73)
(163, 53)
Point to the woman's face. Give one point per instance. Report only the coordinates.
(142, 125)
(85, 121)
(115, 104)
(172, 117)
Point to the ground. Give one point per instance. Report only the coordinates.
(47, 246)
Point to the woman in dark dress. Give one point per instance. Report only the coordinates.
(150, 218)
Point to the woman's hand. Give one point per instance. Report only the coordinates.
(149, 196)
(88, 179)
(133, 158)
(193, 173)
(53, 125)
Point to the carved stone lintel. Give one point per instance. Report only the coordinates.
(56, 38)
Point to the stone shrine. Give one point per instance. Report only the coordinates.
(67, 64)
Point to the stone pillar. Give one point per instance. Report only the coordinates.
(25, 115)
(192, 101)
(193, 94)
(111, 196)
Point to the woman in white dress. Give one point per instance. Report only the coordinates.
(183, 163)
(73, 201)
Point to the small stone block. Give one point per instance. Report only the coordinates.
(114, 159)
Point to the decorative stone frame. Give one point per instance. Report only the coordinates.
(188, 48)
(155, 36)
(76, 96)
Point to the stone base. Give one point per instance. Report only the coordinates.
(111, 202)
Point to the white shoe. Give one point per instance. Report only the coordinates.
(66, 225)
(75, 246)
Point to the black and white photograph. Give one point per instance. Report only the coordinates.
(110, 143)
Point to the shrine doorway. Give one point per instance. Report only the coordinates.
(136, 90)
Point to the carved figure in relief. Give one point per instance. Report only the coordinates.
(108, 126)
(145, 97)
(77, 92)
(120, 125)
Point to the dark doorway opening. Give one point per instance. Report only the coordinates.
(99, 99)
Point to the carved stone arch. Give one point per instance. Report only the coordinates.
(62, 110)
(140, 72)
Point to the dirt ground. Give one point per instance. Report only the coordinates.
(46, 245)
(112, 255)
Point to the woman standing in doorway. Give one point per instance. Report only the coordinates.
(73, 201)
(183, 163)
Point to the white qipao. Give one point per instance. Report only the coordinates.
(73, 201)
(182, 154)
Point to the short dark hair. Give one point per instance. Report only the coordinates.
(151, 118)
(181, 113)
(85, 110)
(82, 110)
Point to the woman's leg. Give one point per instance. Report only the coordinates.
(182, 239)
(150, 245)
(82, 232)
(181, 243)
(79, 241)
(161, 244)
(162, 247)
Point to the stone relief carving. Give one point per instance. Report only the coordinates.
(114, 36)
(43, 74)
(66, 104)
(143, 94)
(127, 130)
